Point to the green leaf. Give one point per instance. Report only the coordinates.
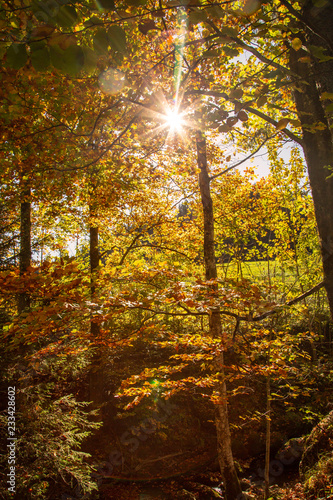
(93, 21)
(216, 11)
(251, 6)
(73, 60)
(35, 46)
(327, 95)
(101, 41)
(212, 53)
(90, 60)
(66, 16)
(117, 38)
(57, 57)
(329, 107)
(17, 55)
(229, 31)
(318, 52)
(230, 51)
(106, 4)
(68, 61)
(197, 16)
(40, 59)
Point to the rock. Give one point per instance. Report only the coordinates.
(291, 452)
(316, 444)
(316, 467)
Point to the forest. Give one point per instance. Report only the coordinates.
(166, 249)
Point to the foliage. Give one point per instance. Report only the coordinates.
(51, 434)
(87, 91)
(319, 480)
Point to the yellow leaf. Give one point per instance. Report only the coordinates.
(305, 59)
(261, 101)
(281, 124)
(296, 44)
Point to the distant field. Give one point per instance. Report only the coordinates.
(260, 270)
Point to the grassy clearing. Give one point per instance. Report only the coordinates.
(260, 270)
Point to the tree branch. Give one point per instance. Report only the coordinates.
(264, 117)
(310, 26)
(290, 303)
(243, 160)
(253, 51)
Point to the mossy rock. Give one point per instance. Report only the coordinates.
(319, 482)
(316, 466)
(318, 442)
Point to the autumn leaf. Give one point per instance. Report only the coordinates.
(147, 26)
(282, 124)
(243, 116)
(296, 44)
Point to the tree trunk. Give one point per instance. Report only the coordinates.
(94, 263)
(317, 137)
(268, 422)
(25, 242)
(96, 378)
(209, 238)
(226, 461)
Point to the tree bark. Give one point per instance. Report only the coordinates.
(209, 237)
(317, 136)
(232, 487)
(96, 378)
(94, 263)
(25, 241)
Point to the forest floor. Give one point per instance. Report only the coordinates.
(200, 486)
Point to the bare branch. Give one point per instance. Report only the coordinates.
(290, 303)
(243, 160)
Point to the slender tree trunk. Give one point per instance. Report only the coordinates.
(226, 461)
(96, 379)
(25, 241)
(268, 423)
(209, 238)
(94, 263)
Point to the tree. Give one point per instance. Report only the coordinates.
(270, 31)
(231, 482)
(313, 94)
(87, 94)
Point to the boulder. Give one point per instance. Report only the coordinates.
(316, 466)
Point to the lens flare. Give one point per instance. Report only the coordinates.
(174, 120)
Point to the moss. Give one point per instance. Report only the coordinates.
(319, 482)
(319, 441)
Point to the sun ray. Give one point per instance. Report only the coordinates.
(179, 51)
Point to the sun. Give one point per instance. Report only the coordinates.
(174, 120)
